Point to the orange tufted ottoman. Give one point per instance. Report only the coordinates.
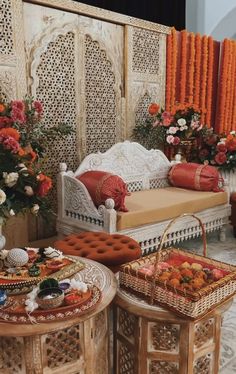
(111, 250)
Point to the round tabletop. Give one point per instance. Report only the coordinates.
(93, 273)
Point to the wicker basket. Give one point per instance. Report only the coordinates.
(188, 303)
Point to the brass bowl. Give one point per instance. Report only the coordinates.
(50, 298)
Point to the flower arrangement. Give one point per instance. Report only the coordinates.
(23, 140)
(218, 150)
(171, 128)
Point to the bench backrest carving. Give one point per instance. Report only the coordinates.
(140, 168)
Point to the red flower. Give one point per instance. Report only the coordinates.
(211, 139)
(220, 158)
(18, 116)
(176, 140)
(37, 105)
(45, 184)
(203, 153)
(153, 109)
(167, 118)
(5, 122)
(231, 144)
(18, 104)
(221, 147)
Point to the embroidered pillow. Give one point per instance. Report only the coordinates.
(195, 177)
(102, 186)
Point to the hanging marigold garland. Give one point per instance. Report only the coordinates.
(222, 87)
(183, 66)
(234, 93)
(209, 81)
(198, 56)
(204, 77)
(168, 71)
(174, 66)
(191, 67)
(230, 92)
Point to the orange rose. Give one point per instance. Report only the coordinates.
(9, 131)
(44, 186)
(153, 109)
(2, 107)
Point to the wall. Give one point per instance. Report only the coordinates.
(212, 17)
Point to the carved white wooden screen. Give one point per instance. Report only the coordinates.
(94, 69)
(75, 65)
(145, 72)
(12, 61)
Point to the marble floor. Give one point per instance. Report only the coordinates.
(225, 252)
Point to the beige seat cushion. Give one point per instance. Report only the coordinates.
(150, 206)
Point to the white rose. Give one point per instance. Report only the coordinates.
(11, 212)
(10, 179)
(2, 197)
(173, 130)
(181, 122)
(35, 209)
(233, 132)
(29, 191)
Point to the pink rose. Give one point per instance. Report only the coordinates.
(170, 139)
(220, 158)
(221, 147)
(176, 140)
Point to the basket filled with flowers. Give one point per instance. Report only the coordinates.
(176, 130)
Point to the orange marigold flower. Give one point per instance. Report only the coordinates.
(2, 107)
(21, 152)
(33, 155)
(9, 131)
(153, 108)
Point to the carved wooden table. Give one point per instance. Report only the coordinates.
(79, 345)
(152, 340)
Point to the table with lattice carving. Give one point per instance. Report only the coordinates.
(79, 345)
(151, 340)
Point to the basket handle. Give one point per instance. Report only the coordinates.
(158, 253)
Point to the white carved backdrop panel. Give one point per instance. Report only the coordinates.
(145, 72)
(6, 29)
(12, 58)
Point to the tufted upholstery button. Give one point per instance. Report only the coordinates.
(109, 249)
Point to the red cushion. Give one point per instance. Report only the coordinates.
(195, 177)
(108, 249)
(102, 185)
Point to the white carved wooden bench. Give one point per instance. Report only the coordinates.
(145, 173)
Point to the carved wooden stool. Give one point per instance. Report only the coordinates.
(149, 339)
(111, 250)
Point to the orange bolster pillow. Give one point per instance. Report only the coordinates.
(195, 177)
(102, 186)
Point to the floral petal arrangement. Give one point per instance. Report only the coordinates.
(218, 150)
(163, 127)
(23, 142)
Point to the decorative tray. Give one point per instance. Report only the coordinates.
(14, 310)
(21, 281)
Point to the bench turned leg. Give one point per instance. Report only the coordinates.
(222, 234)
